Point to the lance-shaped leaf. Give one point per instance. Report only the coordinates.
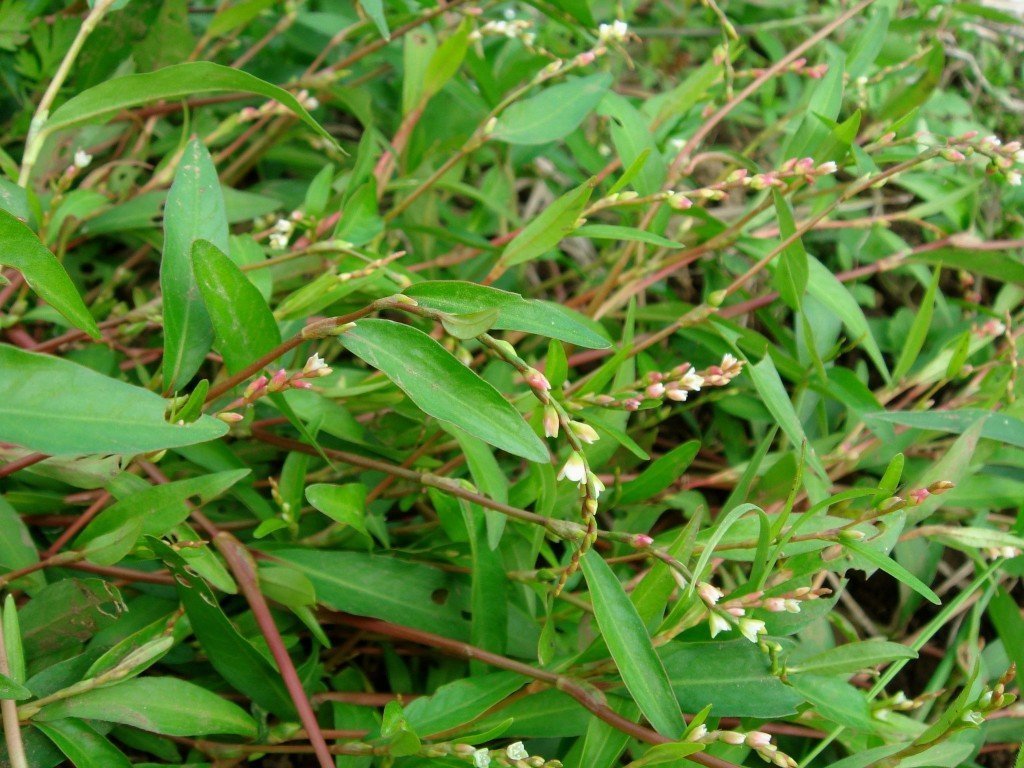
(443, 387)
(195, 210)
(21, 249)
(58, 407)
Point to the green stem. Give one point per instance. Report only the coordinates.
(9, 712)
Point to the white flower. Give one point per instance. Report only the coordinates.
(758, 739)
(751, 628)
(594, 486)
(697, 733)
(1013, 178)
(574, 469)
(516, 751)
(674, 393)
(709, 593)
(717, 623)
(691, 381)
(278, 241)
(731, 737)
(316, 365)
(481, 758)
(584, 432)
(615, 32)
(82, 159)
(284, 226)
(550, 421)
(829, 167)
(792, 606)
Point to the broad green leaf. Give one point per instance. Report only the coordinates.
(443, 387)
(17, 550)
(21, 249)
(83, 746)
(556, 222)
(365, 585)
(231, 654)
(344, 504)
(375, 10)
(630, 646)
(157, 510)
(852, 657)
(733, 676)
(87, 413)
(632, 137)
(613, 232)
(998, 264)
(65, 614)
(396, 732)
(243, 324)
(826, 288)
(894, 569)
(194, 211)
(470, 325)
(514, 312)
(461, 702)
(994, 425)
(12, 640)
(164, 705)
(175, 82)
(664, 471)
(553, 113)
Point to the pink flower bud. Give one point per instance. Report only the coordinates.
(641, 540)
(230, 417)
(300, 384)
(585, 58)
(254, 388)
(537, 380)
(758, 739)
(655, 391)
(550, 421)
(919, 494)
(632, 404)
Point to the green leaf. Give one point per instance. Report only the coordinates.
(556, 222)
(194, 210)
(344, 504)
(243, 324)
(447, 59)
(87, 413)
(461, 702)
(552, 114)
(630, 646)
(82, 745)
(365, 585)
(443, 387)
(21, 249)
(12, 641)
(894, 569)
(231, 654)
(514, 312)
(470, 325)
(401, 739)
(164, 705)
(733, 676)
(995, 426)
(10, 689)
(17, 550)
(667, 753)
(375, 10)
(790, 278)
(918, 330)
(179, 81)
(827, 288)
(612, 232)
(157, 510)
(850, 658)
(998, 264)
(664, 471)
(773, 394)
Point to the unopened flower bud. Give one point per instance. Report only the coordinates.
(551, 421)
(641, 540)
(230, 417)
(584, 432)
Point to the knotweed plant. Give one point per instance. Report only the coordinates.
(501, 384)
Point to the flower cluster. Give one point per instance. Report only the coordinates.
(759, 741)
(514, 755)
(512, 29)
(279, 381)
(616, 32)
(676, 385)
(723, 617)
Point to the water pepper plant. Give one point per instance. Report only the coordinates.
(563, 383)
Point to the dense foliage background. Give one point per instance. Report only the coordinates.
(550, 383)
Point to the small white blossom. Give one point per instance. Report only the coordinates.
(717, 623)
(516, 751)
(616, 32)
(584, 432)
(751, 628)
(574, 469)
(284, 226)
(481, 758)
(594, 486)
(697, 733)
(1013, 178)
(758, 739)
(278, 241)
(82, 159)
(551, 422)
(675, 393)
(316, 365)
(709, 593)
(691, 381)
